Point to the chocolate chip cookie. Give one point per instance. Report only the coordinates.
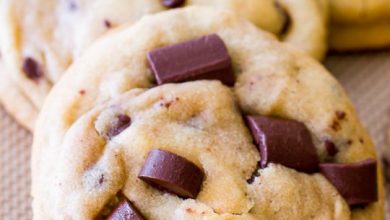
(197, 114)
(360, 24)
(41, 38)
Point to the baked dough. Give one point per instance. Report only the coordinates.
(359, 24)
(55, 32)
(77, 170)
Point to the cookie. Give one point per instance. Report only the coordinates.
(15, 101)
(49, 36)
(145, 124)
(359, 25)
(360, 37)
(385, 151)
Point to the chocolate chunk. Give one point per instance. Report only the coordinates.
(201, 58)
(173, 173)
(120, 123)
(172, 3)
(357, 182)
(330, 148)
(283, 141)
(32, 69)
(126, 211)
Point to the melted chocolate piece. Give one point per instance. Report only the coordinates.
(172, 3)
(32, 69)
(126, 211)
(165, 170)
(283, 141)
(356, 182)
(202, 58)
(118, 125)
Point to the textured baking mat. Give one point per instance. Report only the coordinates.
(366, 78)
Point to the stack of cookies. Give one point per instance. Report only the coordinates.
(191, 109)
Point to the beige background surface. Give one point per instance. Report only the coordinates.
(366, 78)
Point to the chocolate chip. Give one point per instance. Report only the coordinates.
(173, 173)
(357, 182)
(340, 115)
(172, 3)
(101, 179)
(107, 23)
(120, 123)
(201, 58)
(32, 69)
(126, 211)
(330, 148)
(283, 141)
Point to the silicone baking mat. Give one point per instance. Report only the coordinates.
(366, 78)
